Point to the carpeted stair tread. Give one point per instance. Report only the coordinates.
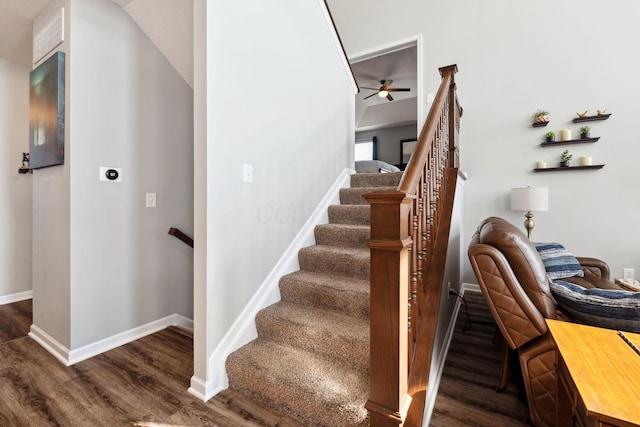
(350, 214)
(347, 235)
(353, 196)
(350, 262)
(346, 295)
(376, 179)
(311, 389)
(322, 332)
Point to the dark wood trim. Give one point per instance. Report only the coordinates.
(181, 236)
(591, 118)
(427, 324)
(570, 141)
(568, 168)
(539, 124)
(409, 238)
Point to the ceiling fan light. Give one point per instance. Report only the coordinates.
(383, 93)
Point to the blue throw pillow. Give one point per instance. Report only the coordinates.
(558, 261)
(606, 308)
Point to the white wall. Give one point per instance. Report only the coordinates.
(388, 141)
(277, 97)
(51, 221)
(15, 189)
(126, 107)
(561, 56)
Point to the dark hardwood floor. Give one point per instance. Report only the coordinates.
(144, 383)
(467, 394)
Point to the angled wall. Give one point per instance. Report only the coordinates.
(270, 91)
(113, 267)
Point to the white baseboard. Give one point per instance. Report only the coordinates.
(201, 389)
(435, 377)
(439, 366)
(20, 296)
(70, 357)
(243, 329)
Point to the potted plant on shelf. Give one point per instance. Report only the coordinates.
(585, 132)
(541, 116)
(565, 159)
(551, 136)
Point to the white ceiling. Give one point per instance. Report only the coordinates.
(375, 112)
(168, 23)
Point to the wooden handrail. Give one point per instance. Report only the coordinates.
(181, 236)
(409, 239)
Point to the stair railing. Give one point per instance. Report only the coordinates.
(409, 238)
(178, 234)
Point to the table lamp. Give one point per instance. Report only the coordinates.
(529, 199)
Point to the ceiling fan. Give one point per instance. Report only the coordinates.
(385, 90)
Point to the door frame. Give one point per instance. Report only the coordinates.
(415, 40)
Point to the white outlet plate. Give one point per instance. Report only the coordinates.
(629, 273)
(247, 172)
(151, 200)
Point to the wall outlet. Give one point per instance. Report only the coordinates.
(629, 274)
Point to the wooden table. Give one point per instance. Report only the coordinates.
(598, 376)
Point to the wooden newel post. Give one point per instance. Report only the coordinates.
(388, 399)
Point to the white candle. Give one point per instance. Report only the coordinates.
(565, 134)
(586, 160)
(542, 165)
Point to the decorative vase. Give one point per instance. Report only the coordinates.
(564, 163)
(585, 135)
(551, 138)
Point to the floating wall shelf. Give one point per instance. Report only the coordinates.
(539, 124)
(591, 118)
(568, 168)
(570, 141)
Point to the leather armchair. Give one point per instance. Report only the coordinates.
(514, 283)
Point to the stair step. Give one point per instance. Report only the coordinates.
(349, 262)
(321, 332)
(313, 390)
(376, 179)
(350, 214)
(338, 293)
(353, 196)
(346, 235)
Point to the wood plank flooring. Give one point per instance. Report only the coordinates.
(467, 394)
(144, 383)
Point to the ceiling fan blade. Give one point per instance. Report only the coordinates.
(370, 88)
(373, 94)
(389, 97)
(400, 89)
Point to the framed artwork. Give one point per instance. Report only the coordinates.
(46, 113)
(407, 146)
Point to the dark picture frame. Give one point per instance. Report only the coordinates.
(46, 113)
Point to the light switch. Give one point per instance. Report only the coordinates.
(247, 172)
(151, 200)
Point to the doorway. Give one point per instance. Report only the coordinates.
(389, 106)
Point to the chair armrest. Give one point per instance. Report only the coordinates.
(594, 267)
(515, 314)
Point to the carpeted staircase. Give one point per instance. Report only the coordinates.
(311, 357)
